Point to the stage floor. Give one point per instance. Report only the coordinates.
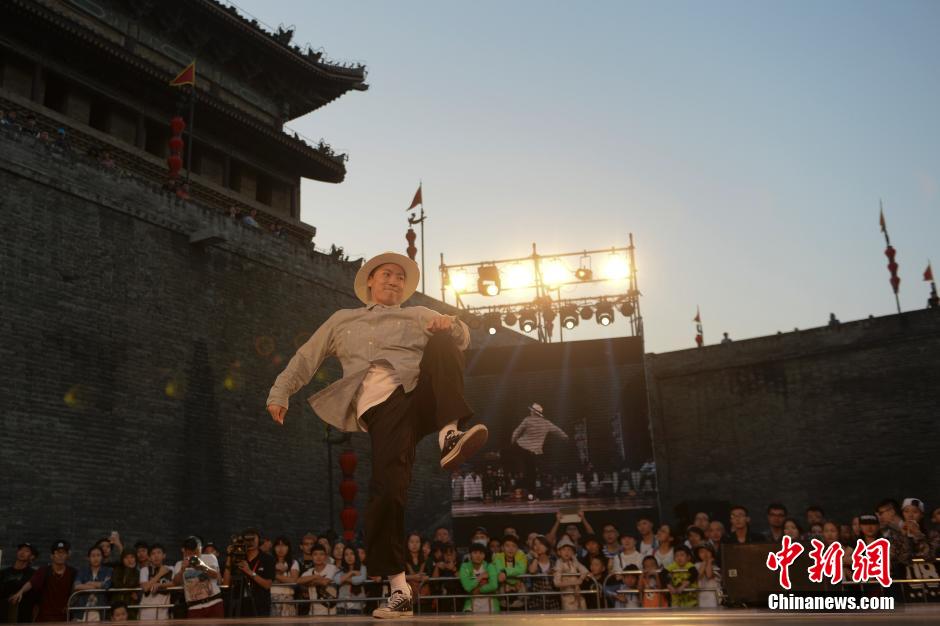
(909, 614)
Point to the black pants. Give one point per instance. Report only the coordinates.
(395, 428)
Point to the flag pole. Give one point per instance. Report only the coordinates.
(884, 229)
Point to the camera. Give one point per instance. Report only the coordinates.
(194, 561)
(238, 551)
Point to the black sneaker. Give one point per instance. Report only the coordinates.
(399, 605)
(460, 446)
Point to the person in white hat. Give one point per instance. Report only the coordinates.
(402, 380)
(529, 438)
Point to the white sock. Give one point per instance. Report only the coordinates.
(398, 583)
(441, 436)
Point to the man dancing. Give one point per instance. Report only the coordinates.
(529, 440)
(402, 380)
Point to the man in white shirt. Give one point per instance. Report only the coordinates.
(319, 582)
(402, 380)
(199, 575)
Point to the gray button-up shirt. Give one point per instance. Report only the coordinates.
(358, 337)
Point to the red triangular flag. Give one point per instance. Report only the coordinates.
(417, 200)
(186, 77)
(928, 273)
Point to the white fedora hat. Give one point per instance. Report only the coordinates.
(412, 274)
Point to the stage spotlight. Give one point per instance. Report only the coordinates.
(491, 322)
(488, 281)
(587, 313)
(616, 268)
(548, 314)
(569, 316)
(584, 273)
(554, 273)
(626, 309)
(605, 313)
(457, 280)
(519, 276)
(473, 321)
(510, 319)
(527, 320)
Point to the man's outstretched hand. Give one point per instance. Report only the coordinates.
(277, 412)
(441, 324)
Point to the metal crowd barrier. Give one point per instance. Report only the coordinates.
(719, 596)
(506, 598)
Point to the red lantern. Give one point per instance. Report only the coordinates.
(349, 517)
(177, 125)
(348, 490)
(174, 162)
(347, 462)
(176, 144)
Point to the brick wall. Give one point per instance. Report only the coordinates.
(840, 417)
(136, 366)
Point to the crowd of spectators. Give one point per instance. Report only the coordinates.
(569, 567)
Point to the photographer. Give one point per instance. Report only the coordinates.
(198, 574)
(257, 570)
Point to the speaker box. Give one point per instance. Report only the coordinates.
(747, 581)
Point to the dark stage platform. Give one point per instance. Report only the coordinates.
(909, 614)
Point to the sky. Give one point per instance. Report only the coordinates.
(745, 145)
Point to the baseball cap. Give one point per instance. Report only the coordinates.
(31, 547)
(867, 518)
(61, 544)
(913, 502)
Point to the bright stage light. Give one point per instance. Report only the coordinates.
(519, 276)
(587, 313)
(569, 316)
(605, 313)
(458, 280)
(616, 268)
(491, 322)
(527, 320)
(555, 272)
(488, 282)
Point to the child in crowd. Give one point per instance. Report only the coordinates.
(541, 568)
(569, 574)
(624, 590)
(119, 612)
(709, 577)
(682, 576)
(597, 573)
(319, 582)
(479, 578)
(446, 567)
(650, 584)
(511, 563)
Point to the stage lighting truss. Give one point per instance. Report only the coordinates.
(488, 283)
(528, 291)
